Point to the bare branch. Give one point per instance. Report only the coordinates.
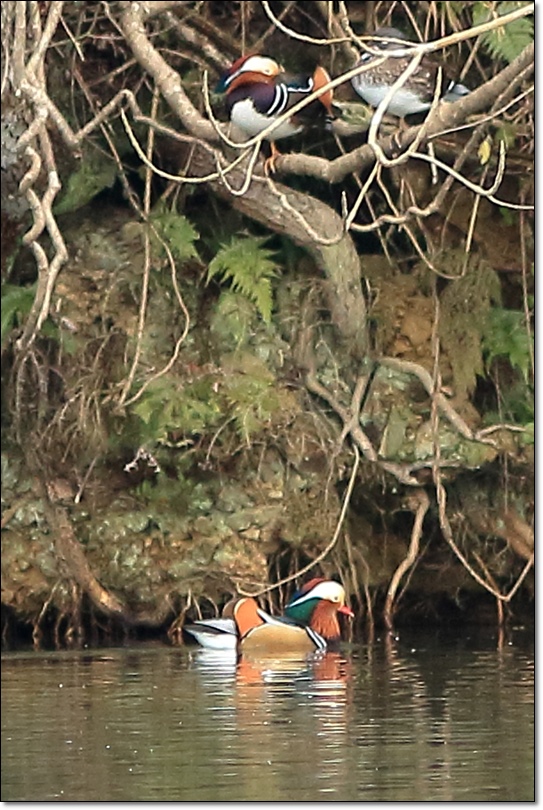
(324, 553)
(421, 504)
(446, 117)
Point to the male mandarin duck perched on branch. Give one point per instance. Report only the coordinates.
(258, 93)
(311, 623)
(417, 93)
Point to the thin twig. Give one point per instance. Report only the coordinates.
(324, 553)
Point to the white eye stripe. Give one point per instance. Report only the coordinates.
(327, 590)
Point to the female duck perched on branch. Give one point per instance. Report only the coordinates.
(416, 94)
(258, 93)
(310, 623)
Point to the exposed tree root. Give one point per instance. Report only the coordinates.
(419, 503)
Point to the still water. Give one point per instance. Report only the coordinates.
(405, 718)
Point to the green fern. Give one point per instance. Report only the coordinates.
(169, 412)
(250, 267)
(505, 335)
(510, 40)
(250, 394)
(252, 403)
(16, 301)
(176, 231)
(94, 174)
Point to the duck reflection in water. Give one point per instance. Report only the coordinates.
(329, 668)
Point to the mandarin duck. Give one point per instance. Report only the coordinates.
(317, 604)
(417, 93)
(312, 625)
(258, 93)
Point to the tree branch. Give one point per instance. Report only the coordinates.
(280, 208)
(445, 117)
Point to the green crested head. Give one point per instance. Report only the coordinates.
(303, 603)
(301, 611)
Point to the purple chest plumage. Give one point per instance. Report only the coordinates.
(262, 96)
(253, 107)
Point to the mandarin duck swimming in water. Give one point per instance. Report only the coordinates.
(317, 604)
(258, 93)
(310, 623)
(417, 93)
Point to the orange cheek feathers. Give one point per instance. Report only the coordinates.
(320, 79)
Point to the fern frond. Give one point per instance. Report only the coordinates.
(510, 40)
(249, 389)
(505, 335)
(168, 408)
(94, 174)
(250, 268)
(16, 301)
(176, 231)
(252, 402)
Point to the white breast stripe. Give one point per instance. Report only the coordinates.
(280, 100)
(318, 639)
(307, 89)
(285, 90)
(269, 619)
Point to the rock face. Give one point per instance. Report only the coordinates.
(200, 362)
(155, 552)
(176, 458)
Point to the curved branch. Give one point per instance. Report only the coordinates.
(421, 503)
(334, 253)
(273, 207)
(167, 79)
(75, 564)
